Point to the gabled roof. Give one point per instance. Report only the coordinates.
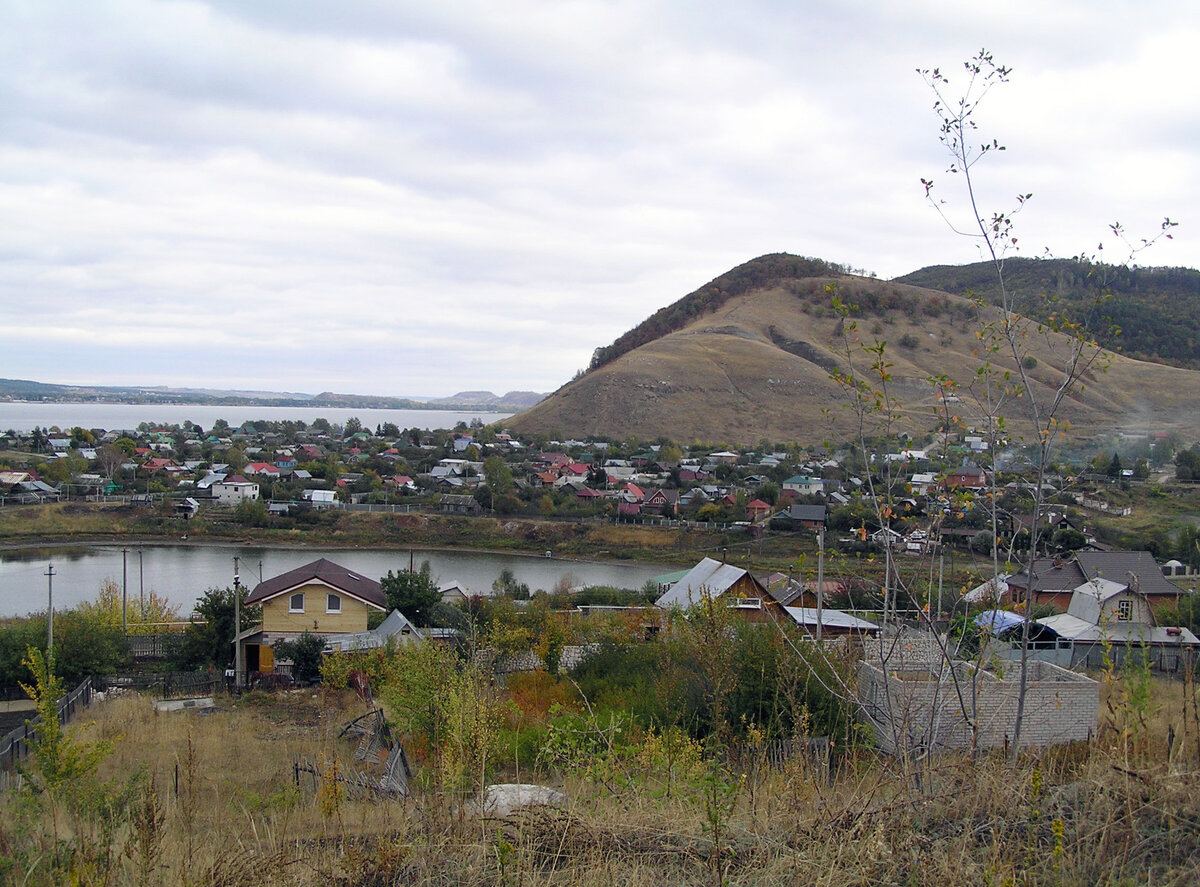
(709, 578)
(1137, 569)
(1087, 601)
(396, 625)
(1119, 565)
(325, 572)
(806, 513)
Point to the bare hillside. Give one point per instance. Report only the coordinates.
(759, 366)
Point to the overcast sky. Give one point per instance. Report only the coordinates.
(418, 198)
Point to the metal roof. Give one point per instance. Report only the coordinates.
(325, 572)
(709, 578)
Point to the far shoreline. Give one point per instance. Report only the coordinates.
(9, 548)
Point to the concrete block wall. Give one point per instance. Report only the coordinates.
(920, 707)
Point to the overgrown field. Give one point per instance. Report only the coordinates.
(209, 798)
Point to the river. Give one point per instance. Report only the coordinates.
(182, 573)
(24, 417)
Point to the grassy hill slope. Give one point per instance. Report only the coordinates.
(757, 364)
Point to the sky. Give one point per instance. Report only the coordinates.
(420, 198)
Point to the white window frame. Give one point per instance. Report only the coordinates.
(292, 602)
(1125, 610)
(331, 598)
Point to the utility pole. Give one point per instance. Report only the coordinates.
(820, 577)
(49, 610)
(941, 570)
(237, 625)
(141, 582)
(124, 591)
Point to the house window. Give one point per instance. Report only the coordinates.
(333, 603)
(296, 603)
(1124, 611)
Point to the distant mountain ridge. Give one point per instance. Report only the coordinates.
(24, 389)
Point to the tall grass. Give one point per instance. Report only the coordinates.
(190, 797)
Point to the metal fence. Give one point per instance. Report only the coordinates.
(19, 742)
(167, 684)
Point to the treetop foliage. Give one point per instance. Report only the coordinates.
(1146, 313)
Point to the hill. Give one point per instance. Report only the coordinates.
(749, 357)
(1145, 313)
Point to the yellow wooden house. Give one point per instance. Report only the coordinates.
(321, 597)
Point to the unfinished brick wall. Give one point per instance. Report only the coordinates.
(919, 706)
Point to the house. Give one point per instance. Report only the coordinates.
(320, 498)
(158, 464)
(320, 597)
(922, 483)
(757, 509)
(1115, 621)
(459, 504)
(725, 457)
(454, 592)
(830, 623)
(234, 490)
(633, 493)
(665, 502)
(1056, 578)
(804, 485)
(711, 579)
(968, 477)
(186, 508)
(811, 517)
(628, 509)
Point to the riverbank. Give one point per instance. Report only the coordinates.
(62, 526)
(79, 523)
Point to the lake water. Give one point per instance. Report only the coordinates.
(24, 417)
(182, 573)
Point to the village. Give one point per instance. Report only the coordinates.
(813, 628)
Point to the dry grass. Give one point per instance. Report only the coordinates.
(724, 379)
(1124, 809)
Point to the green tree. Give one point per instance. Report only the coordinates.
(508, 585)
(64, 765)
(499, 476)
(209, 642)
(251, 513)
(413, 592)
(1114, 466)
(305, 652)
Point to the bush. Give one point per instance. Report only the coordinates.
(305, 655)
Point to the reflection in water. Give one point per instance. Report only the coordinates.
(182, 573)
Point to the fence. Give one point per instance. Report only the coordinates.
(18, 743)
(168, 684)
(154, 646)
